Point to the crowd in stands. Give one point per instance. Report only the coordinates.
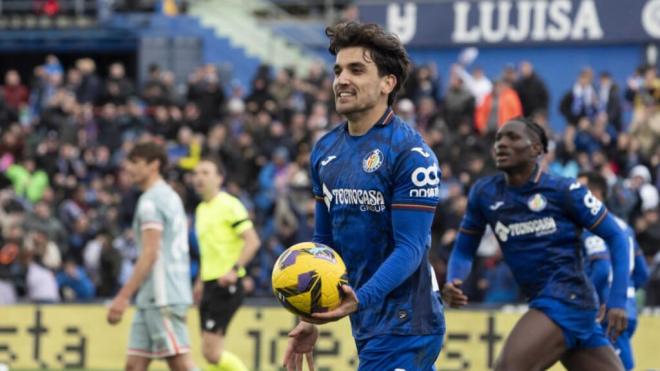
(66, 207)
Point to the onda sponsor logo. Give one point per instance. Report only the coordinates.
(425, 192)
(538, 227)
(367, 199)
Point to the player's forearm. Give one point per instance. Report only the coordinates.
(460, 260)
(641, 272)
(411, 230)
(600, 273)
(141, 270)
(252, 243)
(617, 243)
(322, 226)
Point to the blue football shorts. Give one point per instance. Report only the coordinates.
(399, 352)
(578, 325)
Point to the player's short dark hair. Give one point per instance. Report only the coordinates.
(217, 163)
(387, 51)
(595, 181)
(150, 152)
(537, 130)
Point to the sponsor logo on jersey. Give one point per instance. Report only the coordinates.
(372, 161)
(328, 160)
(595, 245)
(425, 192)
(421, 151)
(592, 203)
(425, 176)
(366, 199)
(537, 202)
(496, 205)
(537, 227)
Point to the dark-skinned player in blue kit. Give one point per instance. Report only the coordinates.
(376, 183)
(537, 219)
(598, 267)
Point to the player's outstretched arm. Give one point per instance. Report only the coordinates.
(617, 242)
(301, 345)
(150, 246)
(459, 267)
(640, 273)
(600, 277)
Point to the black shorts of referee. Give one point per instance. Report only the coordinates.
(219, 304)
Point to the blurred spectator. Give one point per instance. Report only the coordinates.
(42, 219)
(609, 101)
(643, 88)
(90, 86)
(459, 103)
(41, 284)
(477, 83)
(14, 93)
(496, 108)
(531, 89)
(73, 282)
(581, 101)
(27, 180)
(498, 283)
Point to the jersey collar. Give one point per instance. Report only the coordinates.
(387, 117)
(537, 174)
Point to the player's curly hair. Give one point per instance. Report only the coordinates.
(387, 51)
(536, 129)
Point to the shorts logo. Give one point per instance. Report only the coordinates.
(372, 161)
(209, 324)
(423, 176)
(537, 203)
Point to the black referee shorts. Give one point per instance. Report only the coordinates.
(218, 305)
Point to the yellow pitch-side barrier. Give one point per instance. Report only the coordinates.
(78, 337)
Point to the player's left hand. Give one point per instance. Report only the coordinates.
(117, 309)
(347, 306)
(228, 279)
(617, 321)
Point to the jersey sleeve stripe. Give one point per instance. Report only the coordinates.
(469, 231)
(414, 207)
(602, 217)
(152, 225)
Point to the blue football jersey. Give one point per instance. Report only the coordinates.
(538, 226)
(596, 248)
(361, 179)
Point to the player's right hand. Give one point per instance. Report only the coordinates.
(301, 344)
(617, 321)
(452, 295)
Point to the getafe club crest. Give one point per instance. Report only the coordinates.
(537, 202)
(372, 161)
